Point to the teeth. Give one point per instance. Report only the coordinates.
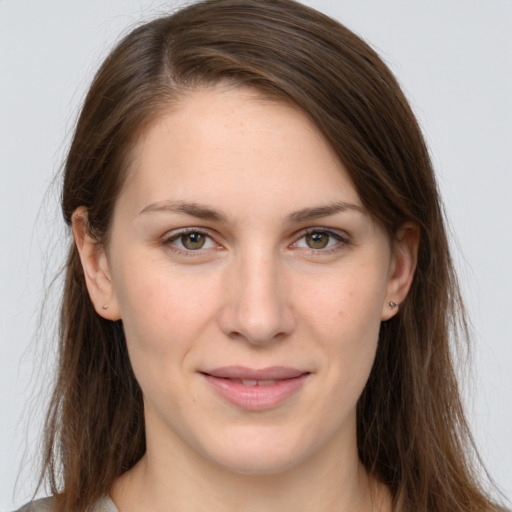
(252, 382)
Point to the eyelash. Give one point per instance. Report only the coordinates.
(341, 241)
(169, 239)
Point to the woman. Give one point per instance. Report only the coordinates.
(259, 298)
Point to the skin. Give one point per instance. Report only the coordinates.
(258, 293)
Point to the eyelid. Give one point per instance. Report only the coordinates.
(342, 237)
(169, 237)
(176, 233)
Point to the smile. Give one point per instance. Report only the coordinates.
(252, 382)
(255, 390)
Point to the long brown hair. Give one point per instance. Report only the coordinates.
(412, 433)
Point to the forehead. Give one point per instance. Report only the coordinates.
(222, 143)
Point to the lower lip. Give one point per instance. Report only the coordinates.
(256, 398)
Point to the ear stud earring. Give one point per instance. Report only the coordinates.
(394, 304)
(105, 306)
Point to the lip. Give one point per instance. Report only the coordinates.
(263, 389)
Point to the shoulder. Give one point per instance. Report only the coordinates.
(46, 505)
(105, 505)
(42, 505)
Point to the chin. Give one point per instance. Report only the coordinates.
(258, 453)
(262, 463)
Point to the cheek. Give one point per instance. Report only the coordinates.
(343, 314)
(162, 310)
(164, 317)
(347, 301)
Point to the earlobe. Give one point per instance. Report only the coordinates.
(95, 266)
(403, 266)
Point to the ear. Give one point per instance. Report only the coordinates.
(403, 265)
(95, 266)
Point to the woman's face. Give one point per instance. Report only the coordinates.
(251, 283)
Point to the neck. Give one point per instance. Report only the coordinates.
(333, 481)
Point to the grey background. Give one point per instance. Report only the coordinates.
(454, 60)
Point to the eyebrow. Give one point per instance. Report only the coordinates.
(209, 213)
(317, 212)
(192, 209)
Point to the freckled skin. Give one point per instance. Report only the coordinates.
(256, 295)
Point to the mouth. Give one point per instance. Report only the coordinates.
(255, 389)
(253, 382)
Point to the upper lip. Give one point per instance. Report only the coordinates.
(244, 373)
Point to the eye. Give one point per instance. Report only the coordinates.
(190, 240)
(193, 241)
(320, 239)
(317, 240)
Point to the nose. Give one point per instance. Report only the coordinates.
(257, 306)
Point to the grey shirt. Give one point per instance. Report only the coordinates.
(46, 505)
